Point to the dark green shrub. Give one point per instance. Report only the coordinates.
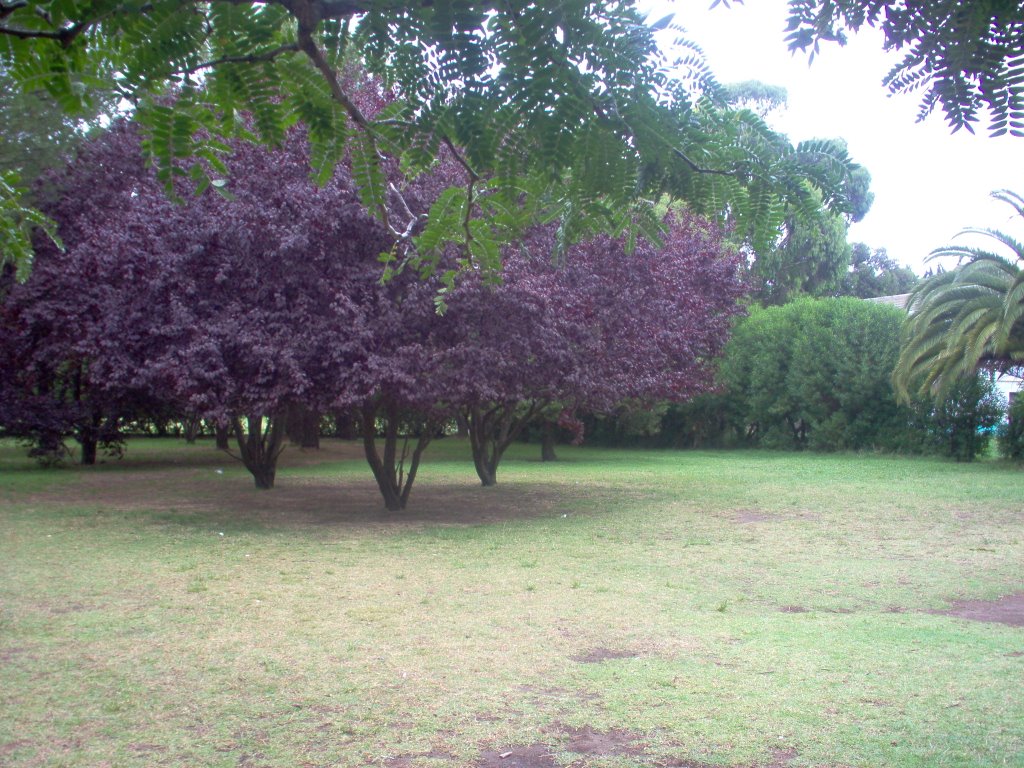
(706, 421)
(963, 425)
(815, 374)
(1011, 432)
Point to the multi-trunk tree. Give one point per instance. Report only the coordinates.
(599, 325)
(230, 309)
(241, 310)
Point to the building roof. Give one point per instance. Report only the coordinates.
(899, 300)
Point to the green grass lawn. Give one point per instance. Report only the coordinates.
(612, 609)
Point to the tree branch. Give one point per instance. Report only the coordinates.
(307, 13)
(474, 177)
(249, 59)
(697, 168)
(65, 37)
(6, 9)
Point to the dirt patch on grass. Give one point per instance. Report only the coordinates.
(748, 516)
(11, 747)
(145, 748)
(534, 756)
(597, 655)
(782, 758)
(587, 741)
(1008, 609)
(802, 609)
(409, 760)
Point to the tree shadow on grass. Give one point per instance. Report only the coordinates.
(203, 499)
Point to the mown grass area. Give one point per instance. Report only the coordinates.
(612, 609)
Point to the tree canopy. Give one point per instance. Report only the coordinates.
(606, 325)
(563, 111)
(875, 273)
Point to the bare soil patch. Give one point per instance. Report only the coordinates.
(1008, 609)
(782, 757)
(597, 655)
(590, 743)
(534, 756)
(407, 761)
(802, 609)
(618, 741)
(13, 746)
(748, 516)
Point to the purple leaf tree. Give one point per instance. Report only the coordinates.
(605, 325)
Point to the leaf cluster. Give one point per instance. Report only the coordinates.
(965, 57)
(966, 318)
(564, 111)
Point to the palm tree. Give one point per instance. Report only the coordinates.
(966, 318)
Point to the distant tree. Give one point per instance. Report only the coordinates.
(963, 56)
(962, 424)
(1011, 432)
(36, 133)
(812, 256)
(760, 98)
(66, 360)
(810, 260)
(396, 384)
(233, 310)
(243, 310)
(259, 309)
(815, 374)
(874, 273)
(506, 351)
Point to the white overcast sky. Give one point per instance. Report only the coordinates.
(928, 183)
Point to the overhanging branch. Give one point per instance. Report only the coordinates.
(253, 58)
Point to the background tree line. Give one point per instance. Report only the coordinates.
(816, 374)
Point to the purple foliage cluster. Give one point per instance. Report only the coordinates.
(235, 310)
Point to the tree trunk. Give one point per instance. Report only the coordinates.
(89, 444)
(394, 482)
(486, 454)
(193, 426)
(303, 426)
(345, 425)
(89, 438)
(492, 431)
(547, 441)
(223, 437)
(461, 426)
(260, 446)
